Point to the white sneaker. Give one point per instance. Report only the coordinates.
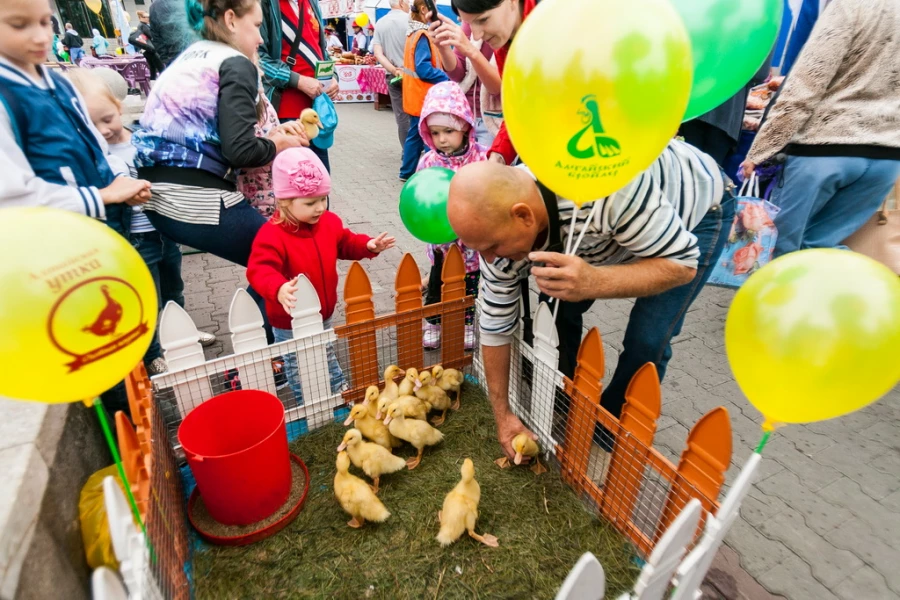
(157, 367)
(470, 337)
(207, 339)
(431, 337)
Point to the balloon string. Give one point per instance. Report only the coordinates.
(763, 441)
(584, 227)
(572, 225)
(107, 432)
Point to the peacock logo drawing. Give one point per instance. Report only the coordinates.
(591, 140)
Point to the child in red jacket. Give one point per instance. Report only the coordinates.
(304, 238)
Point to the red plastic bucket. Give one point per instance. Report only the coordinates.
(236, 445)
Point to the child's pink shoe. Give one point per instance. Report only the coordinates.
(431, 336)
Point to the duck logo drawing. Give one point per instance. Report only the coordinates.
(591, 140)
(96, 318)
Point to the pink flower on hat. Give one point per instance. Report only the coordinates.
(298, 173)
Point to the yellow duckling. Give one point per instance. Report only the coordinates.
(461, 510)
(432, 394)
(374, 460)
(449, 380)
(311, 123)
(418, 433)
(371, 400)
(390, 386)
(407, 386)
(355, 496)
(524, 446)
(412, 407)
(372, 429)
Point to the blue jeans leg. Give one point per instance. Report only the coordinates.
(412, 149)
(150, 246)
(292, 371)
(170, 281)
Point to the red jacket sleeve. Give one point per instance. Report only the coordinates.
(352, 246)
(503, 145)
(264, 269)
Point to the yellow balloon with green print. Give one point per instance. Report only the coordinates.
(593, 90)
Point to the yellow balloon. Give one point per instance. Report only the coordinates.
(78, 309)
(362, 19)
(593, 90)
(95, 5)
(815, 334)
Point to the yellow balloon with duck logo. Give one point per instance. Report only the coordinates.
(593, 90)
(78, 310)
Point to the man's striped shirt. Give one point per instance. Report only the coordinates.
(651, 217)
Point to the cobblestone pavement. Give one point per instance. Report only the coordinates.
(822, 521)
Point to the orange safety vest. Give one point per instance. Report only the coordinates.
(414, 89)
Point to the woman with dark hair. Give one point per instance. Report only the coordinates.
(142, 39)
(496, 23)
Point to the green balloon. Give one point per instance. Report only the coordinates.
(423, 205)
(731, 39)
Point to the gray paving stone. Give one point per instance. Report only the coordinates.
(792, 578)
(759, 554)
(864, 583)
(884, 523)
(857, 536)
(819, 514)
(855, 463)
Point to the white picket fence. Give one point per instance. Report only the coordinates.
(193, 380)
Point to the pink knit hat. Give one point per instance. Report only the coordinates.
(442, 119)
(298, 173)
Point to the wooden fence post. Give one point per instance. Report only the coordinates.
(180, 341)
(248, 335)
(362, 344)
(702, 466)
(453, 321)
(408, 299)
(637, 426)
(584, 400)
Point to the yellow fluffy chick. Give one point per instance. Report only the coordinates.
(311, 123)
(432, 394)
(374, 460)
(371, 400)
(524, 446)
(449, 380)
(409, 383)
(390, 386)
(355, 496)
(372, 429)
(461, 510)
(412, 407)
(418, 433)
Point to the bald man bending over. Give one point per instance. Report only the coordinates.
(655, 240)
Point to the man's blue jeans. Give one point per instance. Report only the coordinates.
(654, 320)
(163, 259)
(292, 372)
(412, 149)
(825, 199)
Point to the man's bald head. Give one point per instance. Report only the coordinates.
(496, 209)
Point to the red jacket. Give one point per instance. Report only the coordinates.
(281, 252)
(502, 144)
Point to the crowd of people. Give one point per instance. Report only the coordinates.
(219, 162)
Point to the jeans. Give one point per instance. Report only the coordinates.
(163, 259)
(482, 135)
(402, 119)
(76, 54)
(412, 149)
(654, 320)
(825, 199)
(292, 371)
(231, 239)
(320, 152)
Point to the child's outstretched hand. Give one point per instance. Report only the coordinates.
(381, 243)
(286, 295)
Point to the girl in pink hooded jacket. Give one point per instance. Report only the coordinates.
(447, 127)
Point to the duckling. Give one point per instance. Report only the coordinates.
(524, 446)
(449, 380)
(371, 400)
(412, 407)
(374, 460)
(409, 383)
(372, 429)
(461, 510)
(390, 386)
(417, 433)
(355, 496)
(311, 123)
(438, 398)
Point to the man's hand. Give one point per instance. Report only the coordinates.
(564, 276)
(381, 243)
(333, 89)
(126, 189)
(747, 168)
(309, 86)
(286, 295)
(508, 427)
